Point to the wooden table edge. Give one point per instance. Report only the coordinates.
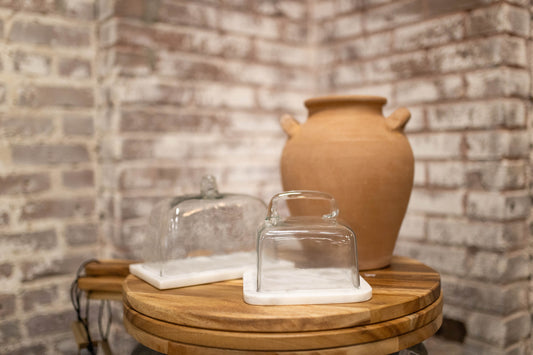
(385, 346)
(285, 340)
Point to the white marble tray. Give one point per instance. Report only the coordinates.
(303, 296)
(195, 271)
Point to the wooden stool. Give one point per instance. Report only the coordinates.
(405, 309)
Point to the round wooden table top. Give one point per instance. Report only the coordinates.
(406, 307)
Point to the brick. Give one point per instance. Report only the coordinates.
(485, 297)
(436, 145)
(395, 14)
(37, 349)
(74, 68)
(500, 18)
(24, 183)
(429, 33)
(151, 177)
(482, 114)
(49, 154)
(220, 96)
(446, 202)
(4, 219)
(482, 235)
(295, 32)
(444, 259)
(427, 90)
(446, 174)
(323, 9)
(438, 7)
(6, 270)
(498, 267)
(17, 244)
(108, 33)
(417, 122)
(135, 207)
(137, 149)
(133, 62)
(474, 347)
(21, 126)
(10, 332)
(150, 91)
(344, 75)
(248, 24)
(497, 82)
(77, 9)
(402, 66)
(31, 63)
(420, 174)
(497, 175)
(58, 208)
(146, 121)
(491, 145)
(480, 53)
(268, 76)
(497, 206)
(41, 268)
(141, 9)
(373, 3)
(78, 179)
(188, 14)
(348, 26)
(413, 227)
(35, 299)
(499, 331)
(50, 324)
(287, 101)
(367, 46)
(63, 96)
(279, 53)
(42, 6)
(187, 69)
(2, 93)
(291, 9)
(78, 125)
(346, 6)
(81, 234)
(7, 305)
(51, 35)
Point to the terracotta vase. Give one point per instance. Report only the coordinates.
(349, 150)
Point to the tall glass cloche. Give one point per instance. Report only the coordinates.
(200, 238)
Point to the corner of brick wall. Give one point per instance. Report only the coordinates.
(463, 69)
(107, 106)
(49, 219)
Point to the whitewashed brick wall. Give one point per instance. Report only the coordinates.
(463, 68)
(107, 106)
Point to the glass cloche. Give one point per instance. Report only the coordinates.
(304, 254)
(202, 238)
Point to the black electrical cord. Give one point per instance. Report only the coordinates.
(75, 298)
(105, 334)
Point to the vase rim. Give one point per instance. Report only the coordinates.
(321, 100)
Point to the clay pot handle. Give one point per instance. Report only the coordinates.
(289, 125)
(398, 119)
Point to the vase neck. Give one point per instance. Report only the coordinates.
(359, 108)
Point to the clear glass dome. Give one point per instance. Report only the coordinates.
(304, 254)
(194, 239)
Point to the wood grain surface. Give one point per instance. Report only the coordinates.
(286, 340)
(380, 347)
(405, 287)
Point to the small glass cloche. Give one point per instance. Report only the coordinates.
(202, 238)
(304, 254)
